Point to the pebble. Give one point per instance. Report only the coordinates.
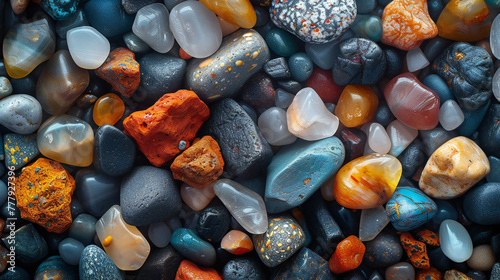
(278, 68)
(455, 275)
(306, 264)
(84, 40)
(70, 250)
(402, 270)
(197, 198)
(281, 42)
(383, 251)
(114, 152)
(378, 139)
(213, 223)
(159, 234)
(237, 242)
(82, 228)
(324, 55)
(409, 208)
(482, 258)
(301, 66)
(495, 272)
(356, 106)
(455, 241)
(244, 268)
(454, 18)
(55, 267)
(259, 91)
(108, 17)
(160, 263)
(348, 255)
(151, 25)
(401, 136)
(21, 113)
(95, 263)
(489, 132)
(19, 150)
(439, 86)
(121, 70)
(29, 246)
(372, 222)
(193, 247)
(480, 204)
(5, 87)
(190, 271)
(135, 44)
(273, 125)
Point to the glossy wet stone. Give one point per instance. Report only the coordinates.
(378, 139)
(82, 228)
(19, 149)
(135, 44)
(402, 270)
(193, 247)
(96, 191)
(231, 126)
(304, 265)
(354, 140)
(84, 40)
(372, 222)
(383, 251)
(20, 113)
(480, 204)
(409, 208)
(114, 152)
(281, 42)
(152, 26)
(243, 16)
(55, 267)
(401, 136)
(160, 263)
(66, 139)
(244, 268)
(455, 241)
(357, 105)
(70, 250)
(30, 247)
(301, 66)
(489, 132)
(213, 223)
(225, 72)
(272, 246)
(95, 263)
(108, 110)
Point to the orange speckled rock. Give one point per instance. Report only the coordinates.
(357, 105)
(43, 195)
(428, 237)
(416, 251)
(121, 70)
(236, 242)
(348, 255)
(199, 165)
(159, 130)
(406, 23)
(188, 270)
(429, 274)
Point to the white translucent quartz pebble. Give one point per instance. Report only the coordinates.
(401, 136)
(128, 248)
(455, 241)
(496, 84)
(272, 124)
(87, 46)
(450, 115)
(308, 118)
(378, 140)
(196, 29)
(495, 37)
(152, 26)
(159, 233)
(372, 222)
(246, 206)
(416, 60)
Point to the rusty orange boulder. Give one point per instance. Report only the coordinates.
(188, 270)
(167, 128)
(121, 70)
(43, 195)
(200, 164)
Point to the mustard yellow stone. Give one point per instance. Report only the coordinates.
(454, 168)
(238, 12)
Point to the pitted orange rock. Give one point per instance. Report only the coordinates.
(121, 70)
(416, 251)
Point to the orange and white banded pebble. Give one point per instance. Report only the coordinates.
(236, 242)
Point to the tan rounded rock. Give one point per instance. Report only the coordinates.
(454, 168)
(482, 258)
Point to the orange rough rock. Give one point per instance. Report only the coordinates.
(406, 23)
(236, 242)
(188, 270)
(159, 130)
(348, 255)
(429, 274)
(416, 251)
(43, 195)
(428, 237)
(200, 164)
(121, 70)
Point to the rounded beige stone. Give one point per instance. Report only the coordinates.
(482, 258)
(454, 168)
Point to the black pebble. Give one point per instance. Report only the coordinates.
(213, 223)
(161, 264)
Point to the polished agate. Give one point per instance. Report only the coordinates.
(412, 103)
(152, 26)
(128, 248)
(308, 118)
(27, 45)
(367, 182)
(61, 83)
(272, 124)
(88, 47)
(401, 136)
(66, 139)
(238, 12)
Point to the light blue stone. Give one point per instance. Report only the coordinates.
(439, 86)
(19, 149)
(193, 247)
(408, 208)
(493, 176)
(96, 264)
(368, 26)
(472, 120)
(365, 6)
(70, 250)
(301, 66)
(299, 169)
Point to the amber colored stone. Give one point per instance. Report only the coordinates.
(416, 251)
(357, 105)
(406, 23)
(464, 20)
(322, 82)
(236, 242)
(367, 182)
(200, 164)
(159, 130)
(43, 195)
(183, 54)
(348, 255)
(188, 270)
(121, 70)
(455, 275)
(429, 274)
(453, 168)
(239, 12)
(108, 109)
(428, 237)
(412, 103)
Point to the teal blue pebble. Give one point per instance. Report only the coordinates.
(368, 26)
(408, 208)
(70, 250)
(281, 42)
(439, 86)
(301, 66)
(191, 246)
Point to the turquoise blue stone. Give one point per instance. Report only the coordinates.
(408, 208)
(281, 42)
(472, 121)
(55, 268)
(298, 170)
(191, 246)
(304, 265)
(481, 204)
(60, 9)
(365, 6)
(494, 175)
(368, 26)
(439, 86)
(108, 17)
(301, 66)
(19, 149)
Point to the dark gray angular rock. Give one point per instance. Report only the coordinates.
(161, 264)
(96, 264)
(243, 268)
(278, 69)
(114, 152)
(30, 247)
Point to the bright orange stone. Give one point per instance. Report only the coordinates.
(239, 12)
(367, 182)
(416, 251)
(406, 23)
(357, 105)
(348, 255)
(429, 274)
(236, 242)
(188, 270)
(108, 109)
(465, 20)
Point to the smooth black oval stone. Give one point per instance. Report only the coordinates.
(114, 152)
(213, 223)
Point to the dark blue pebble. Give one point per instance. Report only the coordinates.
(114, 152)
(213, 223)
(96, 191)
(346, 218)
(481, 204)
(160, 264)
(301, 66)
(304, 265)
(395, 62)
(445, 211)
(96, 264)
(435, 8)
(26, 85)
(480, 234)
(439, 86)
(383, 115)
(489, 131)
(476, 275)
(83, 228)
(246, 268)
(262, 16)
(281, 42)
(55, 268)
(30, 247)
(383, 251)
(108, 17)
(258, 91)
(76, 207)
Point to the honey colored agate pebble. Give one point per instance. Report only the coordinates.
(407, 23)
(348, 255)
(367, 182)
(108, 109)
(43, 195)
(236, 242)
(239, 12)
(453, 168)
(357, 105)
